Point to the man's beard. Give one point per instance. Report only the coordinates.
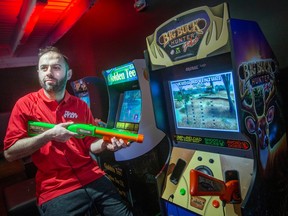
(59, 85)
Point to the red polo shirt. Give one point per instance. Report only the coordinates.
(62, 167)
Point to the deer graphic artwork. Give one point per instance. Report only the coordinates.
(259, 103)
(261, 114)
(260, 106)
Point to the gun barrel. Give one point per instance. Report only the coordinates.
(120, 134)
(92, 130)
(35, 128)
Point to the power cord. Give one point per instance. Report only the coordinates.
(223, 207)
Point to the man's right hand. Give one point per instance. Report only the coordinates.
(60, 133)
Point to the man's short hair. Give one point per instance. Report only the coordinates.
(47, 49)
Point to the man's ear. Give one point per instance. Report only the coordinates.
(69, 74)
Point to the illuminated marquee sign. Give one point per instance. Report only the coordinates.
(183, 41)
(121, 74)
(193, 34)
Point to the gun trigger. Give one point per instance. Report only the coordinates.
(80, 136)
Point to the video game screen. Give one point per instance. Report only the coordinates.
(131, 107)
(80, 90)
(205, 103)
(86, 99)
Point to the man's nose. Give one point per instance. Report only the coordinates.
(49, 72)
(49, 69)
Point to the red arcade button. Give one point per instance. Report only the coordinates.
(215, 203)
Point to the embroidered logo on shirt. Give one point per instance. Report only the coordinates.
(69, 114)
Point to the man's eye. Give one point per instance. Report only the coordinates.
(43, 68)
(56, 67)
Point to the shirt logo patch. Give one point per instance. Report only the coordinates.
(69, 114)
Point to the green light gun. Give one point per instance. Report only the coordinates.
(83, 130)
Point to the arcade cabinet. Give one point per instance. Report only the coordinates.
(92, 90)
(214, 86)
(133, 169)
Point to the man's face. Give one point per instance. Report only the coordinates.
(52, 72)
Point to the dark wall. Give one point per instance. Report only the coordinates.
(16, 82)
(283, 81)
(113, 33)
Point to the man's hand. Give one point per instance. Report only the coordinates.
(115, 144)
(99, 122)
(59, 132)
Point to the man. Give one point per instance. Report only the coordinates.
(68, 180)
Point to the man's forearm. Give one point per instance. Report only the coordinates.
(26, 147)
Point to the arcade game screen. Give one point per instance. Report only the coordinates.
(205, 102)
(130, 110)
(80, 90)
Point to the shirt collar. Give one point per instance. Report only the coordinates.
(67, 96)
